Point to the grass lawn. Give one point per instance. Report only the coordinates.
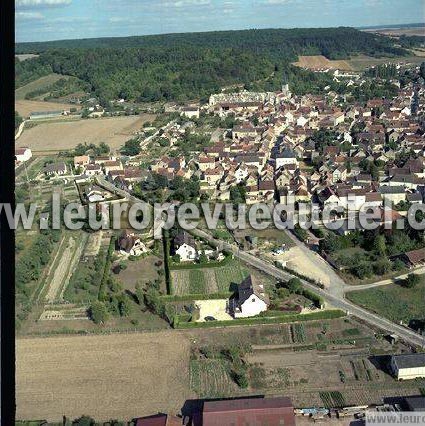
(196, 281)
(393, 301)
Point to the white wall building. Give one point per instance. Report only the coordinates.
(408, 366)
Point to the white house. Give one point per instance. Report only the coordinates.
(22, 154)
(408, 366)
(190, 111)
(185, 247)
(286, 157)
(250, 301)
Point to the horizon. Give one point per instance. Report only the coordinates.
(383, 26)
(55, 20)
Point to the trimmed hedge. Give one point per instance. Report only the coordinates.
(328, 314)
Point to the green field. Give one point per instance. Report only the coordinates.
(210, 378)
(393, 301)
(208, 280)
(40, 83)
(361, 62)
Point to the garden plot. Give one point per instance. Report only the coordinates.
(61, 269)
(207, 280)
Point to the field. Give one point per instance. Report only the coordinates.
(393, 301)
(208, 280)
(141, 271)
(396, 32)
(128, 375)
(117, 376)
(66, 135)
(356, 63)
(40, 83)
(25, 108)
(25, 56)
(316, 62)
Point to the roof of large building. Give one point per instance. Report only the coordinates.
(415, 403)
(249, 411)
(410, 360)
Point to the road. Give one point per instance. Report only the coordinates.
(337, 301)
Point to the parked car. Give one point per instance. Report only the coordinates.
(209, 318)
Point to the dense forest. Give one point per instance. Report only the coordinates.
(194, 65)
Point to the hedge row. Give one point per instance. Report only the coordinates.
(166, 246)
(102, 287)
(304, 277)
(190, 297)
(328, 314)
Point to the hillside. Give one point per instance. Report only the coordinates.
(193, 65)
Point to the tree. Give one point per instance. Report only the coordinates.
(124, 306)
(131, 147)
(411, 281)
(98, 312)
(84, 421)
(379, 245)
(176, 258)
(294, 285)
(203, 258)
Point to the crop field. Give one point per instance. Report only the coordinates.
(393, 301)
(59, 136)
(109, 376)
(316, 62)
(332, 399)
(208, 280)
(210, 378)
(38, 84)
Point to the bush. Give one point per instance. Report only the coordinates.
(411, 281)
(98, 312)
(294, 285)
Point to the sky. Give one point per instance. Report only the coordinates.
(41, 20)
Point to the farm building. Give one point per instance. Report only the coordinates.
(55, 169)
(250, 300)
(415, 403)
(190, 111)
(158, 420)
(22, 154)
(46, 114)
(249, 411)
(414, 258)
(408, 366)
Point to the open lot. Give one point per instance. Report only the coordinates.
(116, 376)
(142, 271)
(64, 135)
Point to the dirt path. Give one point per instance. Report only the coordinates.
(114, 376)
